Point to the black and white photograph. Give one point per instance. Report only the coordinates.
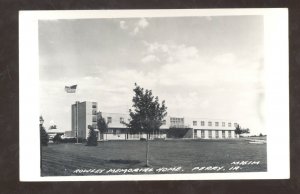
(183, 94)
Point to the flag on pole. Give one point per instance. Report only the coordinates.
(70, 89)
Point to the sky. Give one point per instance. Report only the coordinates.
(203, 67)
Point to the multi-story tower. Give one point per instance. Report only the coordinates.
(83, 115)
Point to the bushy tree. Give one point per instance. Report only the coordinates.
(102, 125)
(147, 115)
(44, 138)
(92, 139)
(57, 138)
(53, 127)
(239, 130)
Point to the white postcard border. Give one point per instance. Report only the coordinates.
(277, 93)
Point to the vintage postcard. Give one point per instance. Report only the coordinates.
(154, 95)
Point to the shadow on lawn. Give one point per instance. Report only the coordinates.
(119, 161)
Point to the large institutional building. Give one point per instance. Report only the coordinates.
(85, 114)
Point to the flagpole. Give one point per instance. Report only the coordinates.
(72, 89)
(76, 121)
(77, 104)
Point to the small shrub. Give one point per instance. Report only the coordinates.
(92, 139)
(57, 138)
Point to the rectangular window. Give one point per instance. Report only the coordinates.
(114, 131)
(216, 124)
(209, 134)
(94, 106)
(235, 124)
(202, 134)
(194, 123)
(195, 134)
(202, 123)
(223, 124)
(121, 119)
(209, 123)
(223, 134)
(109, 119)
(229, 124)
(164, 122)
(229, 134)
(217, 134)
(94, 118)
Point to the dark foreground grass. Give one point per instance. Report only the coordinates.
(193, 156)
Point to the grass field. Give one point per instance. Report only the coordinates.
(64, 159)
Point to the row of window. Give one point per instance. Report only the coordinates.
(178, 121)
(202, 123)
(217, 134)
(109, 120)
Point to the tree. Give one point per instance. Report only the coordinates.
(53, 127)
(92, 139)
(147, 115)
(44, 138)
(102, 125)
(239, 130)
(57, 138)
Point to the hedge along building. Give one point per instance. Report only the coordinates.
(172, 127)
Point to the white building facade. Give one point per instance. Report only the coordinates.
(85, 114)
(213, 128)
(200, 128)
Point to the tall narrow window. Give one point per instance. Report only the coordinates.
(229, 124)
(223, 134)
(109, 119)
(202, 134)
(223, 124)
(121, 119)
(202, 123)
(194, 123)
(209, 123)
(209, 134)
(217, 134)
(229, 134)
(216, 124)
